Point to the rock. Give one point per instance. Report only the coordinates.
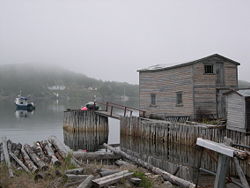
(168, 184)
(135, 181)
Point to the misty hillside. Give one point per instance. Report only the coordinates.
(41, 81)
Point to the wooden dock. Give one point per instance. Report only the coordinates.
(118, 111)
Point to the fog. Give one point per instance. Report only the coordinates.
(111, 39)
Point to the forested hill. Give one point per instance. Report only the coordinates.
(40, 81)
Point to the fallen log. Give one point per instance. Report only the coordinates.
(60, 147)
(111, 179)
(63, 150)
(35, 158)
(51, 154)
(7, 157)
(95, 155)
(19, 162)
(1, 153)
(107, 172)
(121, 163)
(73, 177)
(167, 176)
(17, 150)
(28, 162)
(75, 171)
(87, 183)
(39, 152)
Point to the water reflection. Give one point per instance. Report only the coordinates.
(174, 158)
(85, 140)
(23, 113)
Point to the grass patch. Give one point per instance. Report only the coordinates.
(145, 182)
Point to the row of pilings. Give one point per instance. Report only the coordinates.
(175, 142)
(84, 129)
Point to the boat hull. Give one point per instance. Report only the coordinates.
(25, 107)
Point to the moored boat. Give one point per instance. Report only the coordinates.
(24, 103)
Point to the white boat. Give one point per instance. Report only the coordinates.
(24, 103)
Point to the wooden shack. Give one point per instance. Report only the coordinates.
(238, 110)
(190, 89)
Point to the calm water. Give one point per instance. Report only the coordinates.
(46, 120)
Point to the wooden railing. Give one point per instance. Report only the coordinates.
(111, 106)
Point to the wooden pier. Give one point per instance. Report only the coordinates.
(77, 121)
(118, 111)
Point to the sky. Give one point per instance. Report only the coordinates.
(111, 39)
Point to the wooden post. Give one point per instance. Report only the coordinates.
(125, 111)
(111, 111)
(241, 173)
(107, 105)
(221, 173)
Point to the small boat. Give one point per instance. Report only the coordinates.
(92, 106)
(23, 103)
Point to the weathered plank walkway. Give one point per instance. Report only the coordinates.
(117, 111)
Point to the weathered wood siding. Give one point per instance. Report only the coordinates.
(236, 111)
(165, 84)
(172, 133)
(207, 100)
(77, 120)
(201, 97)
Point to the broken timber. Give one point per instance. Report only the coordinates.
(111, 179)
(7, 157)
(225, 153)
(167, 176)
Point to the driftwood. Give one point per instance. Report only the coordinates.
(39, 152)
(107, 172)
(121, 163)
(35, 158)
(73, 177)
(111, 179)
(75, 171)
(1, 153)
(19, 162)
(28, 162)
(60, 147)
(6, 156)
(63, 150)
(95, 155)
(167, 176)
(87, 183)
(17, 149)
(51, 154)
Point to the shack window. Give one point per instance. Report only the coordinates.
(209, 69)
(153, 99)
(179, 98)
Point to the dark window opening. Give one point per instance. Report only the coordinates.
(209, 69)
(179, 98)
(153, 99)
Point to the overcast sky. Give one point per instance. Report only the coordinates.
(111, 39)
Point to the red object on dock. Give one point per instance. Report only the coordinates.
(84, 108)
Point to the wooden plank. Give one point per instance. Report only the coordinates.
(241, 173)
(7, 157)
(214, 146)
(111, 179)
(221, 173)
